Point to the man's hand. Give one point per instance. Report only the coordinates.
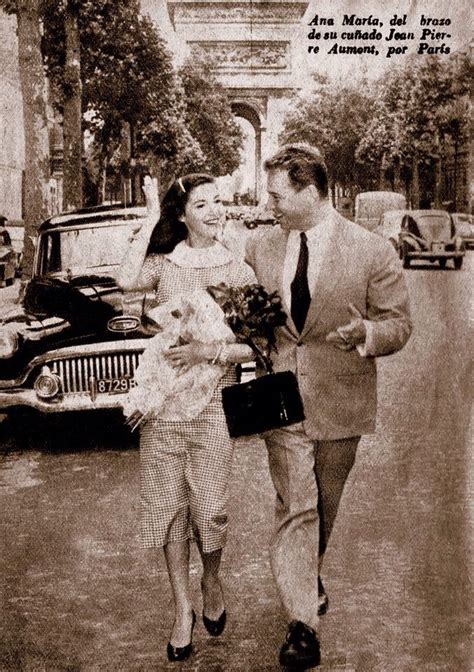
(349, 335)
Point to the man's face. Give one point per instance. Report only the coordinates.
(292, 208)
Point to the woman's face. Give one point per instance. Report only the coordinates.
(204, 215)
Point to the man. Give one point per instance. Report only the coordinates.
(347, 303)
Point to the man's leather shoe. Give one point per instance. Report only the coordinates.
(301, 649)
(323, 599)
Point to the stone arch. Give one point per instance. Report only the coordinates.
(255, 48)
(247, 111)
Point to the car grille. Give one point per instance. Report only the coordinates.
(75, 372)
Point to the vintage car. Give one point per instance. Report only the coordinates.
(430, 235)
(260, 218)
(390, 224)
(464, 225)
(76, 342)
(8, 259)
(369, 206)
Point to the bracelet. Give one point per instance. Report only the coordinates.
(223, 356)
(216, 358)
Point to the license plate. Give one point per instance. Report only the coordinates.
(438, 247)
(114, 385)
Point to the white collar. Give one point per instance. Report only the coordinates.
(199, 257)
(316, 232)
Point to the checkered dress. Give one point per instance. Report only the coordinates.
(185, 466)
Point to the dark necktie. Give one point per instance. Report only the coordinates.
(300, 296)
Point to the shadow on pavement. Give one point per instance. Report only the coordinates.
(65, 432)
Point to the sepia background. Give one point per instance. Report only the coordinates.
(216, 86)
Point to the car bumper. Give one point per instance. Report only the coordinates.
(425, 254)
(79, 401)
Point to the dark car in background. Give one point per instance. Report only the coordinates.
(260, 218)
(77, 340)
(430, 235)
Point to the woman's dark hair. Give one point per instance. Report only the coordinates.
(170, 230)
(304, 165)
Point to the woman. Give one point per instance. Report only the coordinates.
(185, 465)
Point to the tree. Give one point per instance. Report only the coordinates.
(33, 88)
(72, 109)
(417, 106)
(128, 84)
(209, 118)
(326, 119)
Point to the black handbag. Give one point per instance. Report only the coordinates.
(268, 402)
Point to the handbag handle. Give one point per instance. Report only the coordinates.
(260, 356)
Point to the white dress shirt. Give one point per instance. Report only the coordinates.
(317, 240)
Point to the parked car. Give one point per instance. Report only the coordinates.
(390, 224)
(464, 225)
(430, 235)
(260, 218)
(77, 340)
(369, 206)
(8, 259)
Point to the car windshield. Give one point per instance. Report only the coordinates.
(96, 249)
(434, 227)
(464, 228)
(392, 217)
(463, 218)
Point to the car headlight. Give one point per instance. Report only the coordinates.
(9, 341)
(47, 385)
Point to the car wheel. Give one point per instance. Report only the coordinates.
(442, 263)
(458, 263)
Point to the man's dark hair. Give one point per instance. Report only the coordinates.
(304, 165)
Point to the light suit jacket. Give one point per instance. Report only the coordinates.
(338, 388)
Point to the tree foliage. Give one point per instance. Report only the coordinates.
(417, 105)
(333, 118)
(400, 124)
(209, 118)
(127, 76)
(179, 121)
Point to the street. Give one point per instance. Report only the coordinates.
(79, 594)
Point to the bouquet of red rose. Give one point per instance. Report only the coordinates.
(253, 314)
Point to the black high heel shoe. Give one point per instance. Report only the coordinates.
(214, 628)
(177, 653)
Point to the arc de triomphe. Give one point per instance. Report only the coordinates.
(256, 49)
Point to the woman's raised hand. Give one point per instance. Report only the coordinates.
(150, 189)
(145, 226)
